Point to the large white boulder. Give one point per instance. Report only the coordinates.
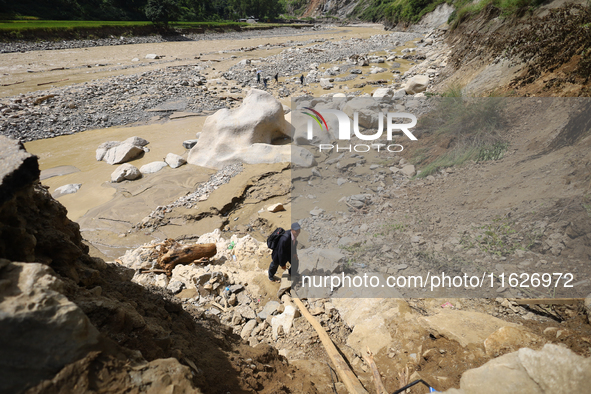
(246, 135)
(417, 84)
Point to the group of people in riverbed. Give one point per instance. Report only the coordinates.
(276, 78)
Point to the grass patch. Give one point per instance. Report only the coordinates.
(500, 237)
(470, 127)
(466, 9)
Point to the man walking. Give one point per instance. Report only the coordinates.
(285, 252)
(258, 76)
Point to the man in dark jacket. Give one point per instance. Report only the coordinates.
(285, 252)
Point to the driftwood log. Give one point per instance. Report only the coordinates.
(345, 373)
(174, 253)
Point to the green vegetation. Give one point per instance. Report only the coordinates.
(411, 11)
(468, 128)
(466, 9)
(158, 11)
(500, 237)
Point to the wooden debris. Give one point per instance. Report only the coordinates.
(173, 253)
(14, 83)
(347, 376)
(47, 83)
(377, 379)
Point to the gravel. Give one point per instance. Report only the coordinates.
(23, 46)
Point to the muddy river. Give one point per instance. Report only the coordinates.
(70, 159)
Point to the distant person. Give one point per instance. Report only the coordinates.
(277, 78)
(259, 76)
(302, 79)
(285, 252)
(265, 82)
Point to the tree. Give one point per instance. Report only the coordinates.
(162, 11)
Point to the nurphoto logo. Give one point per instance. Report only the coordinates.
(344, 132)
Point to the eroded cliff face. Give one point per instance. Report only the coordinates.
(73, 323)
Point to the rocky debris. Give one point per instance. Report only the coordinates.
(51, 326)
(553, 369)
(174, 160)
(188, 144)
(107, 102)
(153, 167)
(22, 46)
(201, 193)
(417, 84)
(66, 189)
(464, 327)
(125, 172)
(18, 170)
(508, 339)
(261, 121)
(42, 330)
(276, 208)
(306, 56)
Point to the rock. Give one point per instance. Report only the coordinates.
(464, 327)
(246, 312)
(152, 56)
(324, 261)
(382, 93)
(325, 83)
(553, 369)
(66, 189)
(408, 170)
(284, 320)
(136, 141)
(125, 172)
(377, 70)
(276, 208)
(509, 339)
(346, 241)
(153, 167)
(102, 149)
(367, 108)
(339, 95)
(399, 93)
(122, 153)
(417, 84)
(247, 329)
(268, 310)
(341, 181)
(42, 331)
(356, 71)
(367, 318)
(316, 211)
(244, 62)
(175, 286)
(188, 144)
(245, 134)
(174, 160)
